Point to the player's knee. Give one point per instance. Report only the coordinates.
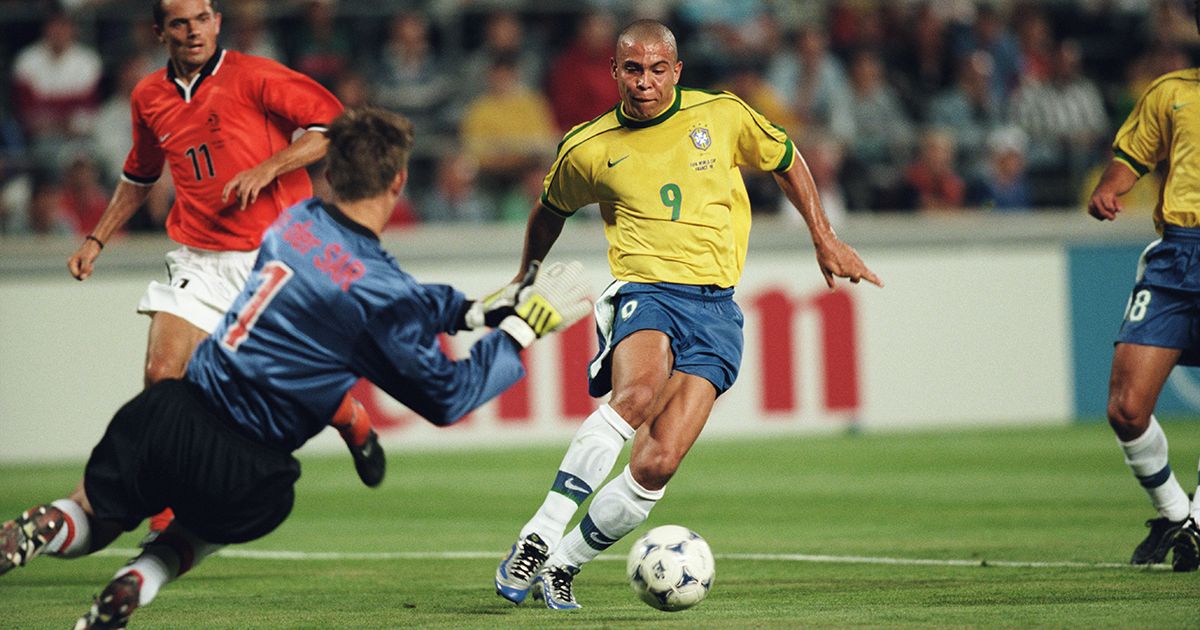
(634, 403)
(1126, 417)
(654, 469)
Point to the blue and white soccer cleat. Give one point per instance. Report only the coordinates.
(553, 585)
(515, 574)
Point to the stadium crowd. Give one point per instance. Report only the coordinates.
(902, 106)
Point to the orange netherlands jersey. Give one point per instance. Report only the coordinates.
(237, 112)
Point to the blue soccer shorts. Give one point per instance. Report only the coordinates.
(1164, 307)
(703, 323)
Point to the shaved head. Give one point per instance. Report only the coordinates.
(647, 32)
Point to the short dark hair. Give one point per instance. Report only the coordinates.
(367, 147)
(160, 13)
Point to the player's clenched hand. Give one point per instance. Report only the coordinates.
(837, 259)
(81, 262)
(492, 308)
(247, 184)
(1104, 204)
(557, 298)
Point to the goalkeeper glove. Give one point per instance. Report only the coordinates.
(555, 298)
(492, 308)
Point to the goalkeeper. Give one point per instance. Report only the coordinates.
(325, 305)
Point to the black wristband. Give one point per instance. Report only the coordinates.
(99, 242)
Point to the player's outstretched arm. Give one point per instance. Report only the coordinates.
(835, 258)
(1117, 179)
(246, 185)
(126, 199)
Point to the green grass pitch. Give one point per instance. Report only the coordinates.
(954, 506)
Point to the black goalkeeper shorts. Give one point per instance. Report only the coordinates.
(167, 448)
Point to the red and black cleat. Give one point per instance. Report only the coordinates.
(23, 538)
(112, 608)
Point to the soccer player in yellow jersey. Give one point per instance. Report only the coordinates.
(1161, 328)
(663, 167)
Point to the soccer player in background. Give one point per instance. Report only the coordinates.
(224, 122)
(325, 305)
(1161, 327)
(663, 166)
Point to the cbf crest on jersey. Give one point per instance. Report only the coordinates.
(701, 139)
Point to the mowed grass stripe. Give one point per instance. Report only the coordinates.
(263, 554)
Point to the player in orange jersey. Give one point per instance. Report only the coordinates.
(223, 122)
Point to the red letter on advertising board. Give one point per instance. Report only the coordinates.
(777, 344)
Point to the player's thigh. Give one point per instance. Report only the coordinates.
(169, 346)
(641, 369)
(662, 443)
(1138, 375)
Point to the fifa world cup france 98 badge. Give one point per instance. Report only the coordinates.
(702, 140)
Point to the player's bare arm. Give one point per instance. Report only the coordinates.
(541, 232)
(1105, 202)
(835, 257)
(246, 185)
(126, 199)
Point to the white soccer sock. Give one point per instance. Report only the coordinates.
(588, 460)
(620, 506)
(174, 552)
(1146, 456)
(75, 538)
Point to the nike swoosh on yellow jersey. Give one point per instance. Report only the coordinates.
(612, 162)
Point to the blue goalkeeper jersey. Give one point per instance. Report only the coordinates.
(326, 305)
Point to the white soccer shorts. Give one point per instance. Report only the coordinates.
(201, 285)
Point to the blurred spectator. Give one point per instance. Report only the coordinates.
(580, 83)
(111, 136)
(111, 141)
(969, 110)
(991, 34)
(923, 64)
(15, 189)
(1036, 44)
(56, 88)
(824, 155)
(83, 197)
(456, 195)
(352, 90)
(813, 83)
(882, 128)
(750, 84)
(503, 36)
(245, 20)
(1003, 185)
(45, 215)
(508, 128)
(930, 181)
(515, 204)
(722, 31)
(1063, 116)
(403, 215)
(411, 79)
(321, 49)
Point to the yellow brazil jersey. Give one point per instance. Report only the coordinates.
(672, 198)
(1165, 125)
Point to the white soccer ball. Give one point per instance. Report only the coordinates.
(671, 568)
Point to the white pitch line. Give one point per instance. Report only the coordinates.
(264, 554)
